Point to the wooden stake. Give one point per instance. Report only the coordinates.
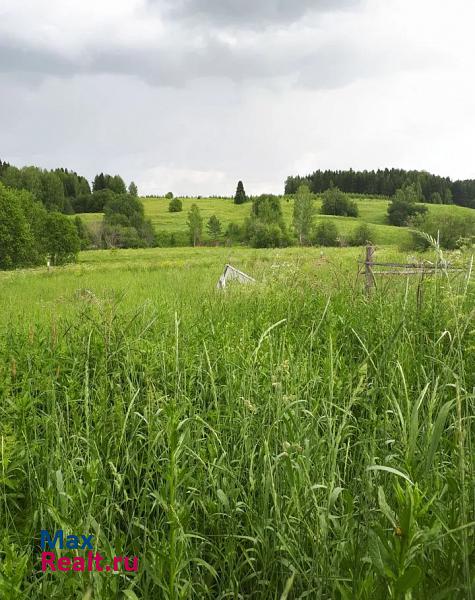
(369, 277)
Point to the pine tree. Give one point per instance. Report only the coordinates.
(133, 191)
(213, 227)
(99, 182)
(240, 196)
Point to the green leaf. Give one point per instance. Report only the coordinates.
(288, 587)
(409, 579)
(389, 470)
(437, 433)
(385, 508)
(334, 496)
(379, 556)
(223, 498)
(414, 424)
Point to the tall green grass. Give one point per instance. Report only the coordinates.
(291, 439)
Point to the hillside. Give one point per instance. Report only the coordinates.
(371, 211)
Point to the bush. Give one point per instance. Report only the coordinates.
(267, 235)
(326, 234)
(404, 208)
(361, 236)
(335, 202)
(267, 208)
(83, 233)
(234, 232)
(164, 239)
(169, 195)
(452, 231)
(125, 225)
(265, 227)
(175, 205)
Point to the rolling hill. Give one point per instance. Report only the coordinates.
(371, 211)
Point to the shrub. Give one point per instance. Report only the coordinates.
(326, 234)
(234, 232)
(404, 207)
(83, 233)
(361, 236)
(175, 205)
(267, 208)
(267, 235)
(452, 231)
(123, 214)
(265, 227)
(335, 202)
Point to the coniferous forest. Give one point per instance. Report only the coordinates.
(433, 189)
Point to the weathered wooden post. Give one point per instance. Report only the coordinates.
(369, 277)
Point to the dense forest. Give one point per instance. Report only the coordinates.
(430, 188)
(34, 226)
(62, 190)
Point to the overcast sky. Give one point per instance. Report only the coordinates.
(192, 95)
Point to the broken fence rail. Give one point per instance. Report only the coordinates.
(399, 268)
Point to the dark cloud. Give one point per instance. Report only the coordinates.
(186, 53)
(250, 13)
(176, 66)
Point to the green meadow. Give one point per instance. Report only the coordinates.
(292, 438)
(371, 211)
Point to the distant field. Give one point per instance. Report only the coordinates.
(371, 211)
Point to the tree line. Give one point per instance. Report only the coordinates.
(34, 222)
(430, 188)
(62, 190)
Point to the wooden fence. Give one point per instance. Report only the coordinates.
(371, 268)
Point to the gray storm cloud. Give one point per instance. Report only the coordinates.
(192, 95)
(250, 13)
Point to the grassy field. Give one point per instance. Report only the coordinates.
(371, 211)
(287, 439)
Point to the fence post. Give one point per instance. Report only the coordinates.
(369, 277)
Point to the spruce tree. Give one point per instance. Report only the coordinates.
(99, 182)
(240, 196)
(133, 191)
(213, 228)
